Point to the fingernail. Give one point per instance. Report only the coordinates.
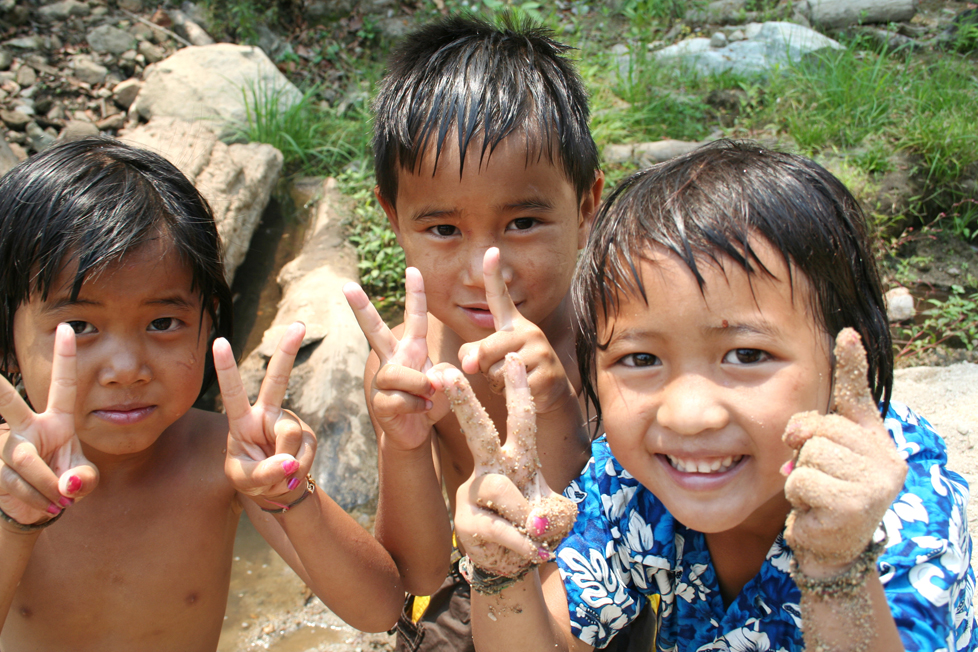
(74, 484)
(787, 467)
(538, 525)
(544, 554)
(53, 509)
(65, 502)
(290, 466)
(428, 405)
(293, 483)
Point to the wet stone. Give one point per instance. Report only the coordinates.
(26, 76)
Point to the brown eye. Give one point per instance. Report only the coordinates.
(162, 324)
(640, 360)
(745, 356)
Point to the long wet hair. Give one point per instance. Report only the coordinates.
(706, 207)
(464, 77)
(94, 201)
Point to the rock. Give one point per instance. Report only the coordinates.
(326, 385)
(112, 123)
(648, 154)
(187, 28)
(236, 180)
(134, 6)
(125, 92)
(15, 119)
(62, 10)
(205, 83)
(85, 69)
(151, 52)
(766, 45)
(5, 59)
(26, 76)
(614, 154)
(78, 129)
(18, 151)
(27, 43)
(38, 138)
(718, 40)
(8, 159)
(111, 39)
(836, 14)
(899, 305)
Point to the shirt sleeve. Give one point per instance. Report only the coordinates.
(926, 567)
(608, 561)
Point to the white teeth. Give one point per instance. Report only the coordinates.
(712, 465)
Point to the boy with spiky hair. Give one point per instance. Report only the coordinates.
(489, 176)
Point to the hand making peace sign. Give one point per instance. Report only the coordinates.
(269, 449)
(42, 467)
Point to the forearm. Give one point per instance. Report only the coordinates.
(563, 443)
(343, 564)
(517, 618)
(856, 621)
(412, 518)
(15, 553)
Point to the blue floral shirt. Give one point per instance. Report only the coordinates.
(626, 548)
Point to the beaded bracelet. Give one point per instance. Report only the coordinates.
(484, 582)
(845, 583)
(281, 509)
(29, 527)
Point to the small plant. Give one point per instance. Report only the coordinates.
(948, 322)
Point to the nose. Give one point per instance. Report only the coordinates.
(692, 404)
(474, 265)
(123, 363)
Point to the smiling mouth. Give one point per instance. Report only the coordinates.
(713, 465)
(125, 415)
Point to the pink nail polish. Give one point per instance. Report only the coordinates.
(539, 525)
(788, 467)
(293, 483)
(544, 554)
(290, 466)
(74, 484)
(53, 509)
(65, 502)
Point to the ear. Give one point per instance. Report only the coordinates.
(589, 208)
(390, 211)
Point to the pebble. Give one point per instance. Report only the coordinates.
(14, 119)
(26, 76)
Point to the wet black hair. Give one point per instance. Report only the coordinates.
(486, 83)
(94, 201)
(705, 207)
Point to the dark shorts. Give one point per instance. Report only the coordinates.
(445, 625)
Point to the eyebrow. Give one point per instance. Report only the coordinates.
(528, 204)
(177, 301)
(758, 327)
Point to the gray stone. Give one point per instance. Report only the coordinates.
(26, 76)
(188, 29)
(835, 14)
(767, 45)
(125, 92)
(152, 52)
(236, 180)
(648, 154)
(63, 10)
(38, 138)
(718, 40)
(15, 119)
(616, 153)
(112, 123)
(111, 39)
(209, 83)
(899, 305)
(736, 35)
(8, 159)
(326, 385)
(78, 129)
(86, 69)
(5, 59)
(26, 43)
(135, 6)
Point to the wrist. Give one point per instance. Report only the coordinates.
(281, 503)
(13, 526)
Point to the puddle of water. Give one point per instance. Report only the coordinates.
(306, 638)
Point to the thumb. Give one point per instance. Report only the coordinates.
(851, 397)
(77, 476)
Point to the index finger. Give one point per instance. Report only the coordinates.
(415, 306)
(64, 376)
(851, 397)
(236, 403)
(504, 312)
(276, 382)
(380, 338)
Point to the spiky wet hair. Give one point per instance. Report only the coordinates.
(94, 201)
(484, 83)
(706, 207)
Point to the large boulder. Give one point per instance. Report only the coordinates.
(766, 45)
(211, 83)
(326, 386)
(237, 180)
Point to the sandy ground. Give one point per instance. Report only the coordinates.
(270, 609)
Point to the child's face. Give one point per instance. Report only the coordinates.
(529, 209)
(696, 389)
(141, 347)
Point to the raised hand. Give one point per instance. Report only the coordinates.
(847, 470)
(515, 333)
(402, 398)
(269, 449)
(507, 517)
(42, 467)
